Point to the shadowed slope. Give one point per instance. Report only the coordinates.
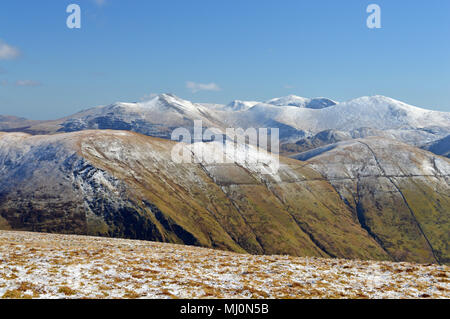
(399, 193)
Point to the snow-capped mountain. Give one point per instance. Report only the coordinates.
(377, 111)
(158, 116)
(88, 174)
(298, 101)
(238, 105)
(296, 117)
(397, 119)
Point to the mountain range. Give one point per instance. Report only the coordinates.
(296, 117)
(354, 181)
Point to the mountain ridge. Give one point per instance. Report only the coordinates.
(124, 184)
(297, 123)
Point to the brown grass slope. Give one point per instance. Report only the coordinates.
(123, 184)
(400, 194)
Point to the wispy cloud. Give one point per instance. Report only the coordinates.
(28, 83)
(8, 52)
(197, 87)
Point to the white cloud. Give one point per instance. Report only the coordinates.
(28, 83)
(8, 52)
(196, 87)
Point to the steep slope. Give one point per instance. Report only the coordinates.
(399, 193)
(370, 198)
(123, 184)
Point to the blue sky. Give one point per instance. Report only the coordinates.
(247, 49)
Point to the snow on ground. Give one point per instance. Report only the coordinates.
(60, 266)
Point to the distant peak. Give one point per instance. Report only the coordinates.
(376, 98)
(302, 102)
(166, 98)
(238, 105)
(380, 100)
(171, 95)
(290, 97)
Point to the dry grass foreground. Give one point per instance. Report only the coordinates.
(59, 266)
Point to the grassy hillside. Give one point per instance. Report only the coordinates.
(122, 184)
